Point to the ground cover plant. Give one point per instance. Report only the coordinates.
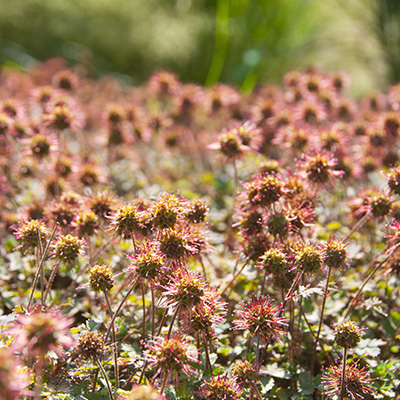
(177, 241)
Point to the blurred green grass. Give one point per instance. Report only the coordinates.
(236, 41)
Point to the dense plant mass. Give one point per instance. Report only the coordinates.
(184, 242)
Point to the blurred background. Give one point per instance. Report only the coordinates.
(242, 42)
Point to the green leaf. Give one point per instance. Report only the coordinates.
(268, 383)
(275, 371)
(369, 347)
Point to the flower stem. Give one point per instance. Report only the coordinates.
(162, 321)
(39, 378)
(115, 348)
(39, 254)
(208, 361)
(40, 266)
(144, 311)
(354, 300)
(357, 226)
(343, 379)
(320, 321)
(134, 243)
(51, 279)
(120, 307)
(234, 277)
(164, 383)
(255, 390)
(230, 220)
(105, 377)
(96, 374)
(172, 322)
(153, 310)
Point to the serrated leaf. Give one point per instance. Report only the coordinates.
(268, 383)
(92, 325)
(369, 347)
(275, 371)
(306, 291)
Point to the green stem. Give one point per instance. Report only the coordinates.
(221, 43)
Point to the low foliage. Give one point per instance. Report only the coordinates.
(175, 241)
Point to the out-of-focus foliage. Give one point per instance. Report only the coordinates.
(386, 26)
(244, 42)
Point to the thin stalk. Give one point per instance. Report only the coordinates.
(263, 283)
(320, 320)
(143, 371)
(208, 361)
(343, 379)
(51, 279)
(221, 43)
(115, 348)
(106, 378)
(354, 300)
(164, 383)
(162, 321)
(39, 253)
(35, 280)
(289, 293)
(134, 243)
(129, 380)
(89, 248)
(313, 334)
(172, 322)
(295, 282)
(39, 378)
(257, 359)
(153, 310)
(357, 226)
(40, 266)
(144, 311)
(96, 374)
(230, 220)
(234, 277)
(203, 267)
(256, 391)
(120, 307)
